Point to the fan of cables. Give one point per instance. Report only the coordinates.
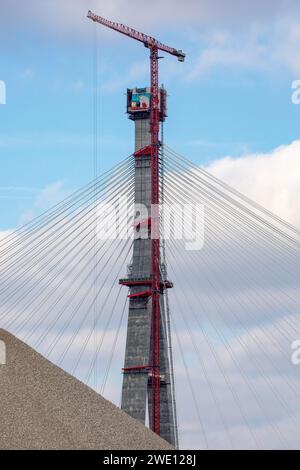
(59, 275)
(234, 311)
(233, 314)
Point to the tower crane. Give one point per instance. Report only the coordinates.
(154, 46)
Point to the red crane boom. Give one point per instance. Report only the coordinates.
(148, 41)
(154, 47)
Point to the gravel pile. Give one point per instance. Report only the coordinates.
(43, 407)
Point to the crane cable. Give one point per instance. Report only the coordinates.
(95, 171)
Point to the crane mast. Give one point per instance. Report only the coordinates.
(154, 46)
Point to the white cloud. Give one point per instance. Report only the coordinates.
(46, 198)
(229, 49)
(271, 179)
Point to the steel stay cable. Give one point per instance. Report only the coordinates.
(99, 346)
(247, 278)
(165, 299)
(171, 363)
(181, 188)
(237, 365)
(33, 264)
(234, 191)
(205, 372)
(59, 206)
(273, 229)
(32, 300)
(283, 402)
(271, 338)
(29, 236)
(109, 317)
(88, 338)
(234, 394)
(47, 262)
(249, 262)
(236, 219)
(91, 305)
(237, 399)
(190, 384)
(239, 217)
(189, 164)
(69, 321)
(49, 248)
(115, 341)
(13, 262)
(121, 183)
(121, 177)
(258, 343)
(51, 307)
(51, 347)
(220, 229)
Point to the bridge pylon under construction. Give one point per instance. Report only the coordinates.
(138, 368)
(148, 352)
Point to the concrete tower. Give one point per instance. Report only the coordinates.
(136, 390)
